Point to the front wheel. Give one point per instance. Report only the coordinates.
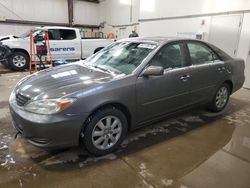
(19, 61)
(105, 131)
(221, 98)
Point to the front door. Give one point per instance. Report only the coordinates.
(64, 44)
(158, 95)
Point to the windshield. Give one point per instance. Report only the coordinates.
(27, 34)
(122, 57)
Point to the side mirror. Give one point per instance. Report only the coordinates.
(153, 71)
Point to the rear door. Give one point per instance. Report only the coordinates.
(207, 71)
(158, 95)
(64, 44)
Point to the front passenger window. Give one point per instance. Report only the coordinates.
(54, 34)
(170, 56)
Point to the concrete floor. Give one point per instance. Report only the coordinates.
(194, 149)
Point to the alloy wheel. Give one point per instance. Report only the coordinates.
(106, 132)
(19, 61)
(221, 97)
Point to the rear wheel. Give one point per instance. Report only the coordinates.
(105, 131)
(221, 98)
(19, 61)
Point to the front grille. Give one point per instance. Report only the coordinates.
(21, 100)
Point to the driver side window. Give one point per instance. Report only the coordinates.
(170, 56)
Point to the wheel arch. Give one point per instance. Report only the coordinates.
(20, 50)
(230, 83)
(123, 108)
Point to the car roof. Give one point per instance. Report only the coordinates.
(158, 40)
(163, 40)
(54, 27)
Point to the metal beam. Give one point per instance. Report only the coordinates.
(71, 12)
(27, 22)
(194, 15)
(91, 1)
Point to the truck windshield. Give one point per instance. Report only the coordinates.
(27, 34)
(122, 57)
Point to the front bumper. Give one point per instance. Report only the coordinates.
(5, 53)
(53, 131)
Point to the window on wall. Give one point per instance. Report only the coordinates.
(200, 53)
(170, 56)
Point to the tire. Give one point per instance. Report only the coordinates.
(108, 136)
(221, 98)
(19, 61)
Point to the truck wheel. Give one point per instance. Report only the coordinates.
(19, 61)
(105, 131)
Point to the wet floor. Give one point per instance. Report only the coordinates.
(193, 149)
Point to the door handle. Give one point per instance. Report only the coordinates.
(185, 78)
(221, 69)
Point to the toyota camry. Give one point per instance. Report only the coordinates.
(127, 85)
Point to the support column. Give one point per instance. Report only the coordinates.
(71, 12)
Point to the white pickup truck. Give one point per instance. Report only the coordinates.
(65, 44)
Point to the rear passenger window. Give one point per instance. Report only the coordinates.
(200, 53)
(170, 56)
(62, 34)
(67, 34)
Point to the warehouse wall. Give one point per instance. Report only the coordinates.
(171, 25)
(174, 26)
(120, 15)
(166, 8)
(10, 29)
(86, 13)
(45, 11)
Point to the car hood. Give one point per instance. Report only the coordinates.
(8, 37)
(61, 81)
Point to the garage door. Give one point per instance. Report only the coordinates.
(225, 32)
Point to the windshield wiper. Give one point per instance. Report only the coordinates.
(103, 69)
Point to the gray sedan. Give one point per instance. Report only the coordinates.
(127, 85)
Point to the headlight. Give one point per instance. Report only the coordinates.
(49, 106)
